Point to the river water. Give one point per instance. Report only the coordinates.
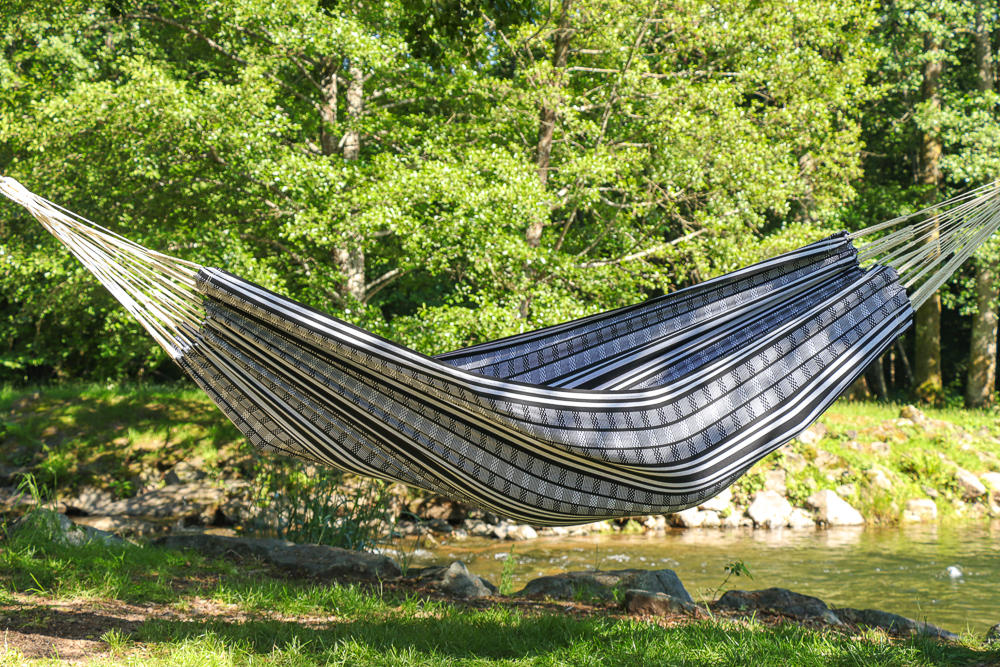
(904, 570)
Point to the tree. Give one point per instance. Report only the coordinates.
(981, 382)
(927, 326)
(441, 173)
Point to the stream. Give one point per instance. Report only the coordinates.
(903, 570)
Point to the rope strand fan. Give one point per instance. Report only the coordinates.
(646, 409)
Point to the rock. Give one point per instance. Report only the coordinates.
(734, 519)
(769, 510)
(439, 507)
(799, 518)
(61, 528)
(892, 623)
(456, 580)
(879, 478)
(314, 560)
(520, 532)
(832, 510)
(992, 635)
(780, 600)
(914, 415)
(719, 503)
(184, 473)
(920, 509)
(846, 490)
(992, 480)
(930, 491)
(657, 604)
(969, 484)
(775, 480)
(198, 502)
(435, 526)
(710, 519)
(812, 435)
(89, 501)
(879, 447)
(825, 459)
(603, 584)
(692, 517)
(655, 523)
(127, 527)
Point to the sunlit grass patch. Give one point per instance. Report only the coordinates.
(36, 558)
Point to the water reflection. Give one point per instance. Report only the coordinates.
(902, 570)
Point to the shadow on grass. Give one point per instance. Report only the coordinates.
(506, 635)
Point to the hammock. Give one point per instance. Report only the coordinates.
(647, 409)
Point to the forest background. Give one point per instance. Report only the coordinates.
(447, 172)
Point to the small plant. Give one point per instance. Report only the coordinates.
(405, 556)
(309, 504)
(597, 557)
(506, 586)
(116, 640)
(735, 568)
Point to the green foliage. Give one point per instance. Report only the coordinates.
(506, 583)
(735, 568)
(691, 138)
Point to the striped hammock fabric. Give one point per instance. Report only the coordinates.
(647, 409)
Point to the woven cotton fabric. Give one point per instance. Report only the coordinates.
(647, 409)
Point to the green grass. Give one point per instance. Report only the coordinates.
(261, 618)
(70, 435)
(31, 561)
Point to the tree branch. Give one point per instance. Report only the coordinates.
(642, 253)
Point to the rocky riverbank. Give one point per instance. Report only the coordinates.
(638, 592)
(848, 469)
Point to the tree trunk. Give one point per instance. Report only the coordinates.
(983, 347)
(549, 111)
(927, 371)
(875, 376)
(351, 259)
(328, 114)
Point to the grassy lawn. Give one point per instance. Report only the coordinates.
(129, 604)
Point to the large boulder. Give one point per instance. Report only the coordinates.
(313, 560)
(992, 480)
(604, 585)
(812, 435)
(692, 517)
(769, 510)
(89, 501)
(123, 526)
(185, 472)
(920, 509)
(60, 528)
(657, 604)
(969, 484)
(892, 623)
(456, 580)
(719, 503)
(439, 507)
(779, 600)
(832, 510)
(196, 501)
(520, 532)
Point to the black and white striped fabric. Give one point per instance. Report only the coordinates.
(647, 409)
